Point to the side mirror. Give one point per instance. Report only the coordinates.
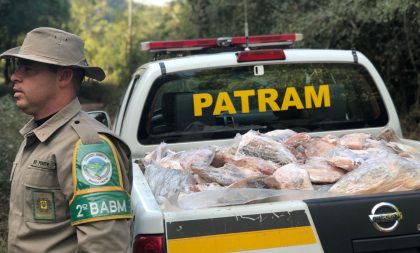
(101, 116)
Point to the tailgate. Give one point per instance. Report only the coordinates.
(330, 225)
(269, 227)
(343, 223)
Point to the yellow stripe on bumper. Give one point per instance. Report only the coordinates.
(234, 242)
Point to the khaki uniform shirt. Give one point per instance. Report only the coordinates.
(43, 165)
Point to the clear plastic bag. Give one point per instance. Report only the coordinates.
(167, 182)
(254, 144)
(240, 196)
(184, 159)
(385, 173)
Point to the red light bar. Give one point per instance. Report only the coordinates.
(261, 55)
(279, 39)
(198, 44)
(177, 45)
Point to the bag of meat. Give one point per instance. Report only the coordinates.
(344, 158)
(222, 157)
(254, 144)
(157, 154)
(280, 135)
(226, 175)
(166, 183)
(184, 159)
(321, 171)
(355, 140)
(381, 174)
(291, 176)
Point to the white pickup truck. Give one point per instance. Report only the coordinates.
(228, 86)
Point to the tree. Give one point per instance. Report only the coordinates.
(385, 31)
(103, 26)
(19, 17)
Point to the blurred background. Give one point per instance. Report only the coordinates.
(386, 31)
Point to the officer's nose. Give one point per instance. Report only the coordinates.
(15, 77)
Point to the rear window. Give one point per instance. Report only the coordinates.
(218, 103)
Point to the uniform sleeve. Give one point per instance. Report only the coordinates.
(104, 236)
(124, 155)
(105, 207)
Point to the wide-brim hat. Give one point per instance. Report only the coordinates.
(56, 47)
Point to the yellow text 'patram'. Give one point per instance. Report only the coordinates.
(266, 98)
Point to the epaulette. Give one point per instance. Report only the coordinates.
(87, 133)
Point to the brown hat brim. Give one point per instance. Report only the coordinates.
(92, 72)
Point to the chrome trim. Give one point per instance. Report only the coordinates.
(396, 216)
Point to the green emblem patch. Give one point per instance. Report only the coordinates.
(96, 168)
(99, 193)
(43, 205)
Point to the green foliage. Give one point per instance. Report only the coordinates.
(10, 141)
(11, 138)
(4, 89)
(158, 23)
(385, 31)
(103, 27)
(34, 13)
(19, 17)
(107, 94)
(227, 18)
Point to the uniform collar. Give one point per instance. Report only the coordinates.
(44, 131)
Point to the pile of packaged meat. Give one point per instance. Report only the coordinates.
(356, 163)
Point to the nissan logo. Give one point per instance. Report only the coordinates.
(385, 217)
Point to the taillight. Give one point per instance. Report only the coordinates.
(148, 244)
(261, 55)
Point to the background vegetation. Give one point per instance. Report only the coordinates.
(386, 31)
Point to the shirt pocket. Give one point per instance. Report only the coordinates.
(44, 199)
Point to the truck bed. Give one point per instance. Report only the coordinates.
(278, 225)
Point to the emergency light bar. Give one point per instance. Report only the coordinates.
(199, 44)
(268, 40)
(178, 45)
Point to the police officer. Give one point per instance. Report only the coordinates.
(70, 180)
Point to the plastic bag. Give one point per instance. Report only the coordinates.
(167, 182)
(253, 144)
(184, 159)
(157, 154)
(280, 135)
(381, 174)
(240, 196)
(344, 158)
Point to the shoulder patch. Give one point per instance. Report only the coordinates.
(99, 193)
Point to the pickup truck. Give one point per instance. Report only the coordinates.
(214, 89)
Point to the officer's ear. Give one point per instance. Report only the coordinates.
(65, 76)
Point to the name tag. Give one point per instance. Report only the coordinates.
(41, 164)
